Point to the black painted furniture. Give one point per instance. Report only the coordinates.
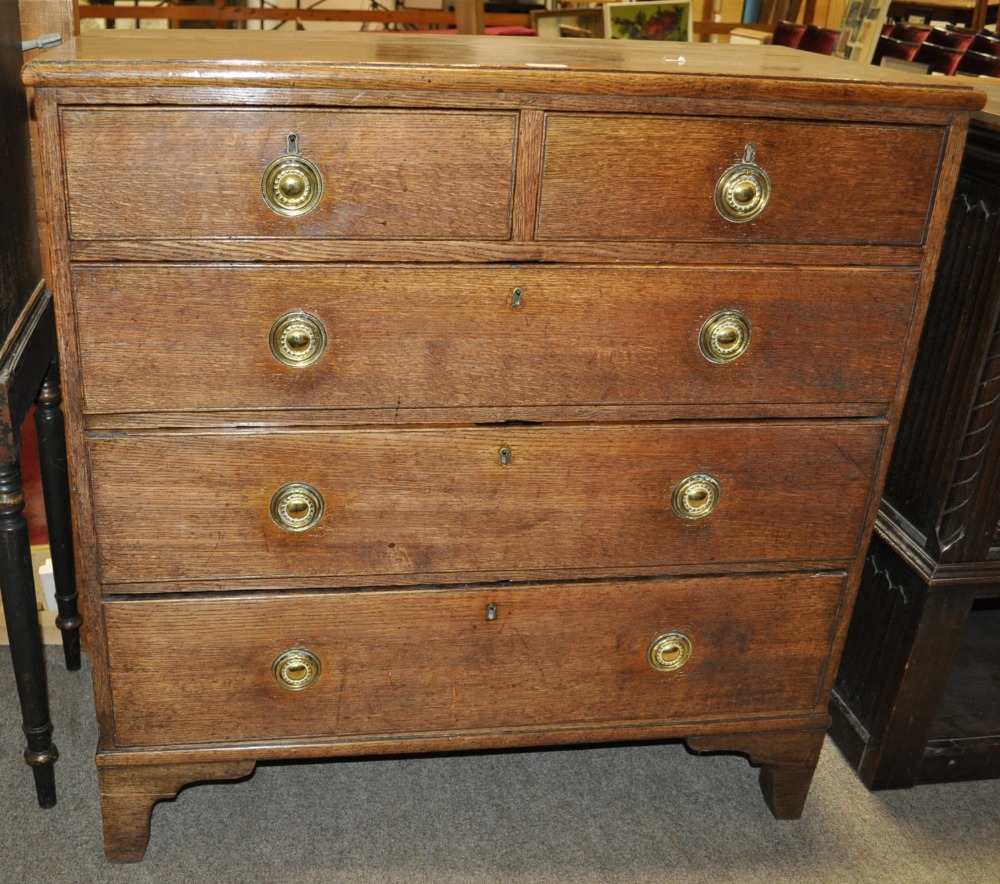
(28, 372)
(917, 698)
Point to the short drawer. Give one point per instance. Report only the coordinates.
(155, 338)
(654, 178)
(202, 670)
(140, 173)
(418, 502)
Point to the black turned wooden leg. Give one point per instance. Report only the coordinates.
(17, 587)
(50, 428)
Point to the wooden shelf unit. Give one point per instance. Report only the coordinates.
(226, 13)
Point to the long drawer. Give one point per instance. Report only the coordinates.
(165, 338)
(655, 178)
(424, 502)
(202, 670)
(385, 174)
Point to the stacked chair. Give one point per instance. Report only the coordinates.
(982, 58)
(811, 38)
(949, 51)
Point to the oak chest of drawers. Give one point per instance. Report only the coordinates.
(469, 393)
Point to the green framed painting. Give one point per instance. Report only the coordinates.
(648, 21)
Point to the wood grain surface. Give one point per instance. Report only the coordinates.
(389, 62)
(429, 660)
(457, 170)
(155, 338)
(426, 502)
(655, 179)
(386, 174)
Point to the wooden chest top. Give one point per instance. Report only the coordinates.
(422, 62)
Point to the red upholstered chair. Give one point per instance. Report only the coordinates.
(960, 29)
(890, 47)
(986, 42)
(909, 32)
(951, 38)
(941, 59)
(979, 64)
(788, 33)
(817, 39)
(511, 31)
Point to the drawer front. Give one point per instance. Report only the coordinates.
(150, 173)
(439, 337)
(396, 662)
(437, 501)
(605, 177)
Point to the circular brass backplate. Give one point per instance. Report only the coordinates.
(743, 190)
(725, 336)
(296, 507)
(696, 496)
(292, 185)
(296, 669)
(669, 651)
(297, 339)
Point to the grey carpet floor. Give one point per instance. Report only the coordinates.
(611, 814)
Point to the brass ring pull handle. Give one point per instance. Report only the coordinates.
(696, 496)
(297, 339)
(296, 669)
(725, 336)
(296, 507)
(292, 185)
(669, 651)
(743, 190)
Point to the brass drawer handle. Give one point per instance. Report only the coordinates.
(296, 669)
(696, 496)
(669, 651)
(725, 336)
(292, 185)
(297, 339)
(296, 507)
(743, 190)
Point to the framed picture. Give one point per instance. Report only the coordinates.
(644, 20)
(580, 22)
(860, 29)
